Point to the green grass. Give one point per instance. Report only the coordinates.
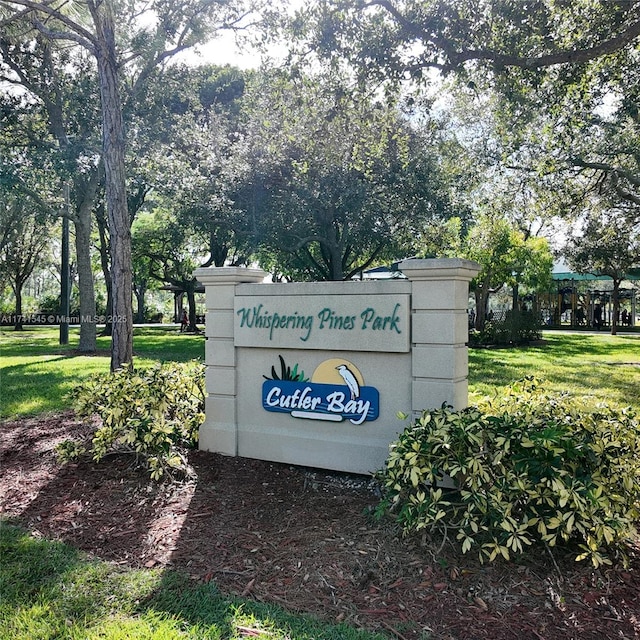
(37, 373)
(604, 367)
(50, 590)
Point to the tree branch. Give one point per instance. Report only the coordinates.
(183, 43)
(303, 242)
(77, 32)
(616, 173)
(456, 58)
(35, 196)
(89, 45)
(367, 263)
(15, 17)
(320, 270)
(603, 166)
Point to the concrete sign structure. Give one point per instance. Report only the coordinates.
(315, 373)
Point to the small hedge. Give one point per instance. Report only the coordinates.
(523, 327)
(529, 468)
(154, 413)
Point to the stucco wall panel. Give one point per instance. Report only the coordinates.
(220, 352)
(221, 380)
(438, 362)
(440, 327)
(219, 323)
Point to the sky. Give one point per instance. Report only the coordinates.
(223, 50)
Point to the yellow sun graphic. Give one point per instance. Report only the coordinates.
(327, 372)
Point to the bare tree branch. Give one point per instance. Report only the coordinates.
(64, 35)
(603, 166)
(615, 174)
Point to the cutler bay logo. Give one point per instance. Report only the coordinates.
(335, 392)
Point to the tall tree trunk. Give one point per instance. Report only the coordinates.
(84, 200)
(104, 263)
(335, 250)
(190, 289)
(482, 302)
(337, 272)
(87, 343)
(17, 290)
(140, 291)
(616, 307)
(82, 223)
(116, 196)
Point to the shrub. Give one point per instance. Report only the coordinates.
(154, 413)
(522, 327)
(50, 305)
(529, 468)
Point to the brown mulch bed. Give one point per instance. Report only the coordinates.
(302, 539)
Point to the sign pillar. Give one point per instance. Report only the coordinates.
(439, 321)
(219, 432)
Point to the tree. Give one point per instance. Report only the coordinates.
(605, 143)
(608, 244)
(164, 252)
(406, 37)
(572, 129)
(565, 74)
(576, 133)
(489, 243)
(440, 239)
(24, 238)
(119, 41)
(55, 117)
(197, 163)
(505, 257)
(336, 177)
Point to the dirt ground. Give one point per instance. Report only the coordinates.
(303, 539)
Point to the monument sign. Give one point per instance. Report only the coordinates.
(315, 373)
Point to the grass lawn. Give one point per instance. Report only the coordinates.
(37, 373)
(51, 591)
(604, 367)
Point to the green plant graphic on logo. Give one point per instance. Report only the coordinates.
(287, 373)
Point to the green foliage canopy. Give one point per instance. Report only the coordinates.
(406, 37)
(337, 178)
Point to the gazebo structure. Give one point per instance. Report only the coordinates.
(586, 300)
(178, 299)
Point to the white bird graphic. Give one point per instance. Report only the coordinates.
(350, 380)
